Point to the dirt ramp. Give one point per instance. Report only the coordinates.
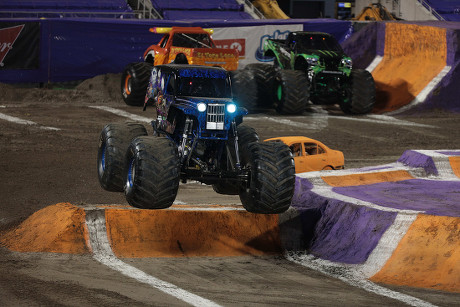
(179, 232)
(395, 224)
(58, 228)
(413, 56)
(427, 257)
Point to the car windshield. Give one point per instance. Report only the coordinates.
(192, 40)
(316, 42)
(204, 86)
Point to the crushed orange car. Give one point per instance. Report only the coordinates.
(312, 155)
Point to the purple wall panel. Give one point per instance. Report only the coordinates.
(81, 48)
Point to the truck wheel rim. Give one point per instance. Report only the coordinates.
(279, 92)
(103, 158)
(127, 86)
(131, 174)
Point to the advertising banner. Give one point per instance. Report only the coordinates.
(19, 45)
(249, 41)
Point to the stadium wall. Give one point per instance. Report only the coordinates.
(76, 49)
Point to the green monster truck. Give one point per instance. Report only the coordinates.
(311, 66)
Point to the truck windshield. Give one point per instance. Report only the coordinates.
(192, 40)
(204, 87)
(317, 42)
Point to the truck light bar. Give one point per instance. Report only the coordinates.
(161, 30)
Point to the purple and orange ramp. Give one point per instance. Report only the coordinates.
(393, 224)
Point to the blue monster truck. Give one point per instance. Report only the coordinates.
(198, 135)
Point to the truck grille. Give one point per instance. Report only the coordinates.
(332, 63)
(215, 117)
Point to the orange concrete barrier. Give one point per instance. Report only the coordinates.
(428, 256)
(179, 233)
(455, 164)
(58, 228)
(413, 56)
(366, 178)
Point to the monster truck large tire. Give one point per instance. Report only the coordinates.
(246, 135)
(152, 172)
(264, 75)
(134, 81)
(362, 97)
(244, 88)
(291, 92)
(272, 178)
(113, 143)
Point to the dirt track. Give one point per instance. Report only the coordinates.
(40, 167)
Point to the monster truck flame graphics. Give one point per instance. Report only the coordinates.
(179, 45)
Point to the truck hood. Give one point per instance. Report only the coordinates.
(325, 54)
(196, 100)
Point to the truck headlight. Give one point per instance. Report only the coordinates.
(312, 61)
(347, 63)
(201, 107)
(231, 108)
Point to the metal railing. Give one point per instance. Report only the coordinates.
(145, 9)
(251, 9)
(431, 10)
(68, 14)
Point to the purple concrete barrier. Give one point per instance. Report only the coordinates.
(414, 159)
(335, 230)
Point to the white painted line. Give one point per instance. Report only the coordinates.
(375, 62)
(424, 93)
(316, 122)
(206, 208)
(21, 121)
(124, 114)
(383, 119)
(442, 164)
(395, 166)
(102, 252)
(350, 274)
(323, 189)
(387, 245)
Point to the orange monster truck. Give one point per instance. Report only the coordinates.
(181, 45)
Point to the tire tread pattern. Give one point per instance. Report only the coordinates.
(140, 77)
(295, 88)
(272, 178)
(264, 75)
(157, 173)
(244, 88)
(116, 137)
(363, 93)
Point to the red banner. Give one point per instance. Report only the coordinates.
(19, 45)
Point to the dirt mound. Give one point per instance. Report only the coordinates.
(104, 87)
(9, 93)
(100, 89)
